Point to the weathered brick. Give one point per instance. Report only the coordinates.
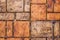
(38, 39)
(53, 16)
(1, 38)
(38, 1)
(6, 16)
(2, 28)
(14, 39)
(41, 29)
(2, 5)
(54, 38)
(21, 29)
(15, 5)
(9, 28)
(37, 12)
(22, 16)
(27, 5)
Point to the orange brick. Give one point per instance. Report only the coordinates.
(26, 38)
(53, 16)
(38, 1)
(14, 39)
(37, 12)
(9, 28)
(1, 38)
(21, 28)
(2, 28)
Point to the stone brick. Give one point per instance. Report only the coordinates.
(1, 38)
(21, 29)
(27, 5)
(38, 39)
(38, 1)
(41, 29)
(37, 12)
(2, 5)
(9, 28)
(22, 16)
(15, 5)
(53, 16)
(6, 16)
(2, 28)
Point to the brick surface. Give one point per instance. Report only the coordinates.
(54, 38)
(41, 29)
(21, 28)
(1, 38)
(22, 16)
(2, 28)
(38, 39)
(37, 12)
(53, 16)
(2, 5)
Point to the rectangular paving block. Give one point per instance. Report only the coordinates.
(14, 5)
(53, 16)
(38, 39)
(54, 38)
(2, 39)
(41, 29)
(22, 16)
(37, 12)
(2, 28)
(2, 5)
(6, 16)
(38, 1)
(9, 28)
(21, 29)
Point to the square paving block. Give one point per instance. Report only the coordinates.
(2, 39)
(37, 12)
(44, 29)
(50, 4)
(53, 16)
(6, 16)
(21, 29)
(27, 5)
(2, 5)
(9, 28)
(38, 39)
(38, 1)
(14, 5)
(22, 16)
(2, 28)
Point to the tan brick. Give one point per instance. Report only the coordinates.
(53, 16)
(44, 29)
(2, 28)
(15, 5)
(1, 38)
(21, 29)
(2, 5)
(37, 12)
(22, 16)
(38, 39)
(38, 1)
(9, 28)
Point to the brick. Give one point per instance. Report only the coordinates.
(38, 39)
(9, 28)
(27, 5)
(15, 5)
(26, 38)
(50, 4)
(21, 29)
(38, 1)
(2, 5)
(37, 12)
(53, 16)
(6, 16)
(41, 29)
(2, 28)
(54, 38)
(22, 16)
(1, 38)
(14, 39)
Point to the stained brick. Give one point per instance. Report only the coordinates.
(38, 1)
(41, 29)
(9, 28)
(38, 39)
(37, 12)
(21, 29)
(15, 5)
(6, 16)
(2, 28)
(53, 16)
(22, 16)
(2, 5)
